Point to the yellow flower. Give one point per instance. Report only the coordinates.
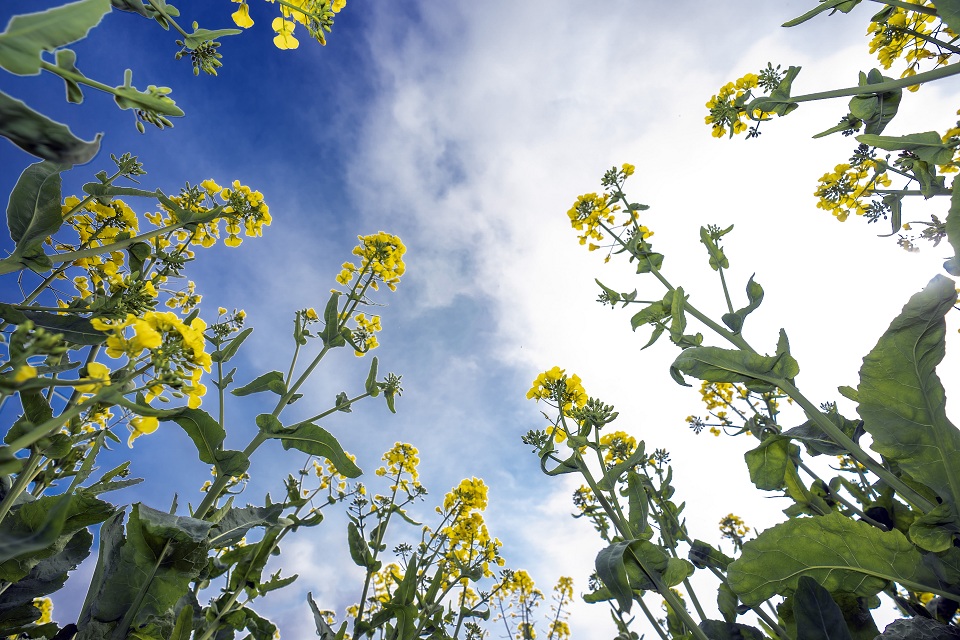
(555, 385)
(24, 372)
(311, 314)
(100, 374)
(140, 426)
(338, 5)
(241, 17)
(46, 609)
(284, 38)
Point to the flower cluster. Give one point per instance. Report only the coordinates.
(315, 15)
(468, 542)
(617, 446)
(727, 109)
(734, 528)
(365, 335)
(911, 35)
(554, 385)
(402, 460)
(381, 261)
(848, 188)
(592, 214)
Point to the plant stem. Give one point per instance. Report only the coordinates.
(651, 618)
(27, 474)
(909, 6)
(858, 453)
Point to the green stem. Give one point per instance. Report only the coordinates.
(27, 474)
(934, 41)
(159, 9)
(726, 292)
(882, 87)
(339, 408)
(858, 453)
(693, 596)
(651, 618)
(835, 496)
(909, 6)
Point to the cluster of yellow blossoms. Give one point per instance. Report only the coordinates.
(468, 542)
(554, 385)
(618, 446)
(907, 34)
(402, 462)
(733, 527)
(381, 258)
(365, 334)
(315, 15)
(592, 213)
(848, 188)
(727, 111)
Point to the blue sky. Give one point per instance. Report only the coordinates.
(468, 129)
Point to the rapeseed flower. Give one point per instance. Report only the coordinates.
(555, 385)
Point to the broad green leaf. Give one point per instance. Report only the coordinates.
(857, 616)
(613, 573)
(316, 441)
(677, 571)
(623, 567)
(49, 574)
(918, 628)
(656, 311)
(952, 223)
(722, 630)
(147, 573)
(236, 522)
(949, 12)
(818, 616)
(818, 442)
(714, 364)
(359, 550)
(935, 531)
(876, 110)
(637, 502)
(840, 553)
(208, 436)
(927, 146)
(768, 462)
(73, 328)
(678, 321)
(272, 381)
(227, 351)
(38, 135)
(28, 35)
(702, 555)
(183, 629)
(33, 211)
(902, 402)
(727, 602)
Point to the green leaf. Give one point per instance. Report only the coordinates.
(331, 322)
(359, 550)
(613, 573)
(927, 145)
(272, 381)
(28, 35)
(818, 442)
(818, 616)
(778, 101)
(371, 385)
(100, 190)
(902, 402)
(677, 571)
(768, 463)
(952, 223)
(949, 12)
(702, 555)
(714, 364)
(625, 566)
(723, 630)
(935, 530)
(33, 211)
(208, 436)
(199, 36)
(66, 59)
(183, 629)
(727, 602)
(840, 553)
(224, 353)
(49, 574)
(73, 328)
(236, 522)
(829, 5)
(40, 136)
(316, 441)
(717, 258)
(678, 321)
(755, 296)
(919, 629)
(324, 630)
(876, 110)
(144, 575)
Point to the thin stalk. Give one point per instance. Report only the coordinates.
(861, 456)
(339, 408)
(726, 292)
(693, 597)
(934, 41)
(23, 479)
(909, 6)
(882, 87)
(651, 618)
(844, 501)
